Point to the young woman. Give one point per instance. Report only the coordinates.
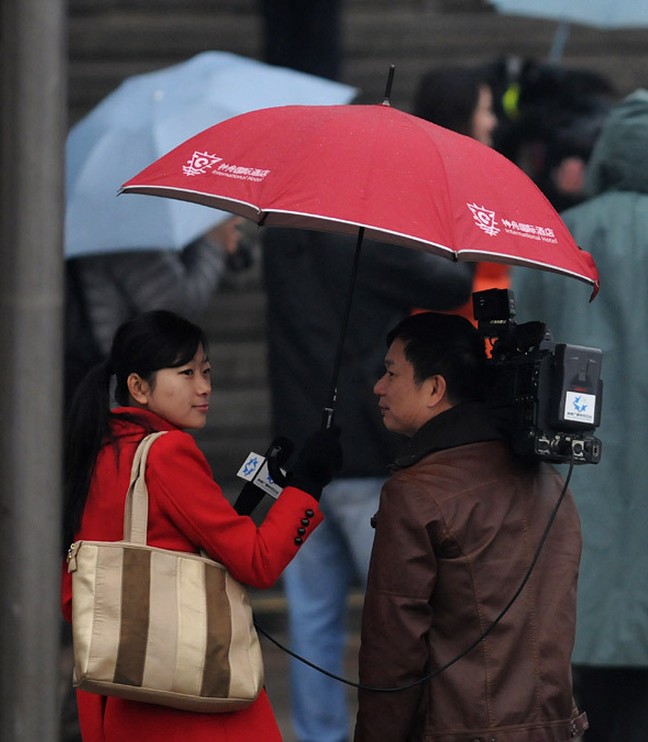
(161, 375)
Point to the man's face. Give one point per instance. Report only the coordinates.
(404, 405)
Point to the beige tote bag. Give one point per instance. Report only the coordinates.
(160, 626)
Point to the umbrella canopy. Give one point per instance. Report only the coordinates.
(599, 13)
(370, 170)
(399, 178)
(145, 117)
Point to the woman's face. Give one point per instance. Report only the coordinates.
(484, 120)
(180, 395)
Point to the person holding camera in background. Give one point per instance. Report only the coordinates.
(466, 579)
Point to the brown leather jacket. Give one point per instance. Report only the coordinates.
(457, 528)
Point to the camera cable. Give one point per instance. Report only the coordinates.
(471, 646)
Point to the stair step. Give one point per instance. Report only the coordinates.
(235, 316)
(236, 363)
(239, 409)
(143, 34)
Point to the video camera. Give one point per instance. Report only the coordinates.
(547, 395)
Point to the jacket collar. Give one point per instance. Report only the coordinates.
(468, 422)
(134, 420)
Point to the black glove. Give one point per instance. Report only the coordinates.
(317, 462)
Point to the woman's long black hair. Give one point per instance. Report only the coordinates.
(143, 345)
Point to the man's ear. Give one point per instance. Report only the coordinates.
(438, 391)
(138, 388)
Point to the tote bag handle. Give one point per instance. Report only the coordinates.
(136, 508)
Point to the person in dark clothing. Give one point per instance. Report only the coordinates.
(304, 35)
(459, 523)
(307, 278)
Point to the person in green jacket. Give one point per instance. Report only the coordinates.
(611, 651)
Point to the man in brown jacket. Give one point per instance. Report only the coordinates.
(459, 523)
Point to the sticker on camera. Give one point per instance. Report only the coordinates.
(580, 407)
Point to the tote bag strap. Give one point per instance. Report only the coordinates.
(136, 509)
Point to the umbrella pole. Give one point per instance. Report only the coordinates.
(329, 410)
(388, 86)
(559, 42)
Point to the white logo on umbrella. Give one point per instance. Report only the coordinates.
(200, 163)
(530, 231)
(241, 172)
(484, 219)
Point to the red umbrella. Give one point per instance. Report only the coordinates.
(403, 179)
(370, 170)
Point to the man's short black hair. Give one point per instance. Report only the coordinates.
(444, 344)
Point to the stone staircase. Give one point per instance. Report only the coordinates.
(112, 39)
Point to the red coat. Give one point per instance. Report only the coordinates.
(187, 512)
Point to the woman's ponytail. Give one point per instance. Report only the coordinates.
(86, 428)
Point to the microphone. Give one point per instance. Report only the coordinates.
(278, 453)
